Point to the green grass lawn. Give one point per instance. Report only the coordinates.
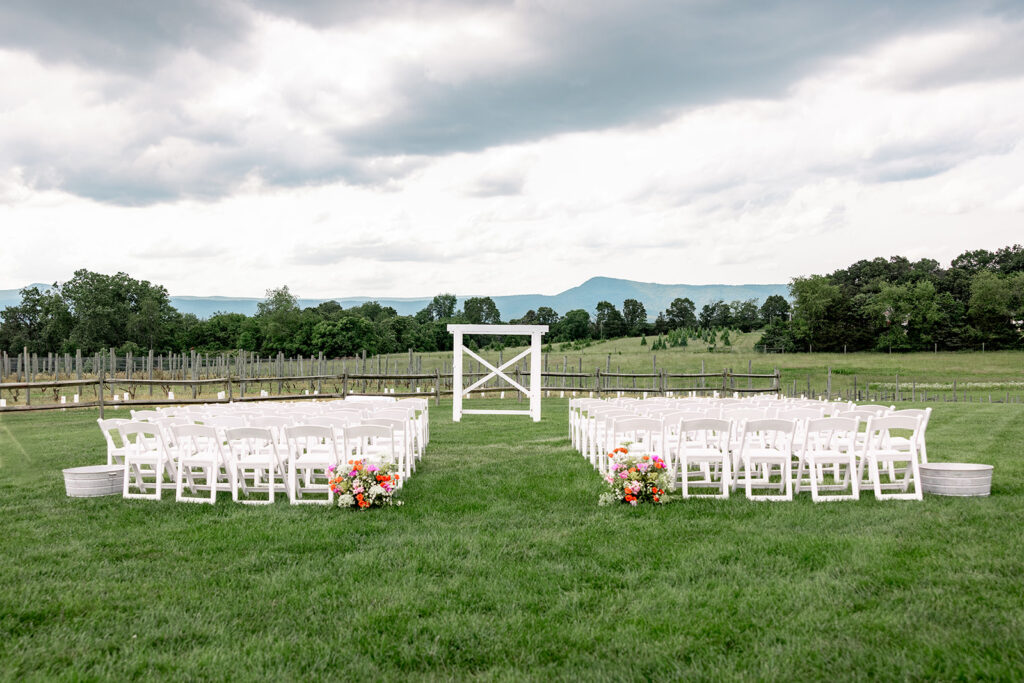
(502, 565)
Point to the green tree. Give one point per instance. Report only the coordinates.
(41, 322)
(681, 313)
(610, 323)
(481, 310)
(346, 336)
(715, 314)
(996, 307)
(745, 315)
(816, 311)
(110, 310)
(278, 316)
(573, 326)
(442, 307)
(634, 315)
(774, 308)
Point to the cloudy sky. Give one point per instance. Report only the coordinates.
(405, 148)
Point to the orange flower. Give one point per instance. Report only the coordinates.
(645, 458)
(655, 499)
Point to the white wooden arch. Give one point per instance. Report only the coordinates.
(532, 331)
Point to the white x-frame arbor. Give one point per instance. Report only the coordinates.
(533, 331)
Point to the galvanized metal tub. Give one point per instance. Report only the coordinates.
(93, 480)
(956, 478)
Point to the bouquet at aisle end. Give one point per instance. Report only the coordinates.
(636, 479)
(364, 485)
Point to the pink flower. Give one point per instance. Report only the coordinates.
(623, 475)
(633, 502)
(353, 474)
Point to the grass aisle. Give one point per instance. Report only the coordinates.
(501, 564)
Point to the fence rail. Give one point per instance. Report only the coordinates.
(105, 389)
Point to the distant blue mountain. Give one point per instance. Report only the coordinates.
(654, 297)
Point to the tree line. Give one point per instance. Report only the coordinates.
(877, 304)
(94, 311)
(902, 305)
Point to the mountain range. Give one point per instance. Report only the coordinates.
(655, 298)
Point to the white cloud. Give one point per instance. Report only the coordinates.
(856, 160)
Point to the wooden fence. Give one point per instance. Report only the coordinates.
(125, 391)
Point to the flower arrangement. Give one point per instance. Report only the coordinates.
(634, 480)
(364, 485)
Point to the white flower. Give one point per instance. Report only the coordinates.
(346, 500)
(376, 490)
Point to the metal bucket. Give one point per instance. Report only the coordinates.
(956, 478)
(93, 480)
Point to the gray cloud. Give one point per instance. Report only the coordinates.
(132, 37)
(642, 61)
(608, 64)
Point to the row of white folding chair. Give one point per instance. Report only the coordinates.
(248, 459)
(766, 448)
(225, 416)
(756, 447)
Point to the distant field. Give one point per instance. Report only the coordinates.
(501, 565)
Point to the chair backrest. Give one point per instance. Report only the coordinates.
(879, 428)
(419, 404)
(144, 415)
(338, 422)
(307, 438)
(402, 413)
(831, 433)
(800, 413)
(743, 414)
(862, 415)
(924, 414)
(769, 433)
(225, 421)
(249, 441)
(876, 409)
(147, 437)
(306, 431)
(191, 438)
(704, 432)
(111, 427)
(372, 431)
(359, 438)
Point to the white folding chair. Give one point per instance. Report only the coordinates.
(312, 451)
(401, 440)
(116, 442)
(829, 441)
(202, 464)
(374, 443)
(878, 451)
(703, 456)
(767, 444)
(259, 465)
(643, 434)
(902, 443)
(146, 461)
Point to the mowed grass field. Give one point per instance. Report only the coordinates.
(501, 565)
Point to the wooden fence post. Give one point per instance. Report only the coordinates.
(99, 390)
